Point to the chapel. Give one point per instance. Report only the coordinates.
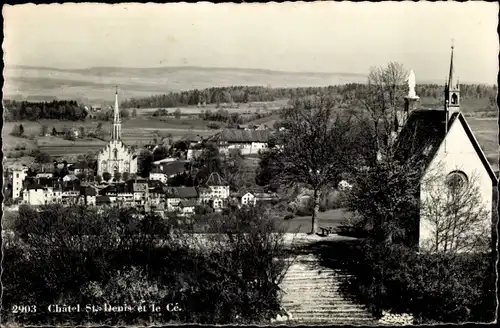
(116, 156)
(442, 143)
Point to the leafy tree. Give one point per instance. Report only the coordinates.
(209, 161)
(16, 131)
(117, 175)
(106, 176)
(177, 113)
(145, 163)
(41, 156)
(134, 112)
(54, 131)
(314, 150)
(98, 178)
(82, 131)
(160, 152)
(126, 176)
(21, 129)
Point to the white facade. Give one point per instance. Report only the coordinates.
(116, 156)
(246, 148)
(42, 196)
(18, 177)
(455, 154)
(158, 177)
(214, 192)
(248, 199)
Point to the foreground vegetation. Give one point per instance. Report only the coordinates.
(78, 255)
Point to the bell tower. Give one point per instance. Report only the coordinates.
(452, 90)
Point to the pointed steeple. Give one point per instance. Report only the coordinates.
(452, 89)
(117, 129)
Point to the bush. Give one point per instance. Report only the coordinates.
(80, 255)
(214, 125)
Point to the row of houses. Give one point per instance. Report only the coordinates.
(139, 193)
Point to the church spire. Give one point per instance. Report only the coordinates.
(117, 129)
(452, 89)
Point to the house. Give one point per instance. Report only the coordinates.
(41, 195)
(162, 172)
(187, 207)
(247, 198)
(44, 175)
(18, 177)
(451, 159)
(81, 168)
(121, 193)
(247, 141)
(176, 195)
(214, 191)
(69, 177)
(88, 195)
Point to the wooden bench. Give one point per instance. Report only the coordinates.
(325, 231)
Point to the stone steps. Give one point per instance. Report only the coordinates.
(313, 294)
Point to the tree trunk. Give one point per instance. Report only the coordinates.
(314, 223)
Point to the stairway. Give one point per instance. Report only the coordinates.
(312, 295)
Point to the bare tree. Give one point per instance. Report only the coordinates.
(454, 215)
(314, 149)
(381, 99)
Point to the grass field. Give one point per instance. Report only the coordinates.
(140, 130)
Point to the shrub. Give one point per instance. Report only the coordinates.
(214, 125)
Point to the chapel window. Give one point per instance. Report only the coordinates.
(115, 151)
(456, 181)
(454, 99)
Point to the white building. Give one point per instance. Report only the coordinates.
(249, 142)
(116, 156)
(174, 196)
(40, 195)
(18, 177)
(452, 158)
(215, 191)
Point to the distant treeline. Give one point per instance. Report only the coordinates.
(68, 110)
(244, 94)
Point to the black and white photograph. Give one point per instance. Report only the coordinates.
(295, 163)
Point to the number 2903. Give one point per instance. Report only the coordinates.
(23, 308)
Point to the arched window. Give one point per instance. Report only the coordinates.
(126, 166)
(454, 99)
(115, 152)
(456, 181)
(115, 168)
(104, 165)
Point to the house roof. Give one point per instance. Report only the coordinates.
(238, 135)
(181, 192)
(188, 203)
(102, 199)
(215, 180)
(425, 131)
(170, 168)
(79, 166)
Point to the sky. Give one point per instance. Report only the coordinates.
(305, 37)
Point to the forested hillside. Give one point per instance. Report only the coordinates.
(244, 94)
(32, 111)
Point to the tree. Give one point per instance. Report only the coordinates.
(454, 214)
(16, 131)
(314, 150)
(98, 179)
(54, 131)
(134, 112)
(106, 176)
(44, 130)
(124, 113)
(160, 152)
(82, 131)
(117, 175)
(41, 156)
(126, 176)
(81, 176)
(209, 161)
(177, 113)
(381, 99)
(21, 129)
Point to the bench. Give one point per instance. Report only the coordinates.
(325, 231)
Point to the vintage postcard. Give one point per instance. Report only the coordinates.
(255, 164)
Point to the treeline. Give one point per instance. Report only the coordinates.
(68, 110)
(245, 94)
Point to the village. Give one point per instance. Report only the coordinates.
(193, 164)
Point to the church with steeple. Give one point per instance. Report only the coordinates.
(116, 156)
(449, 160)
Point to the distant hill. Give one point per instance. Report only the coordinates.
(97, 84)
